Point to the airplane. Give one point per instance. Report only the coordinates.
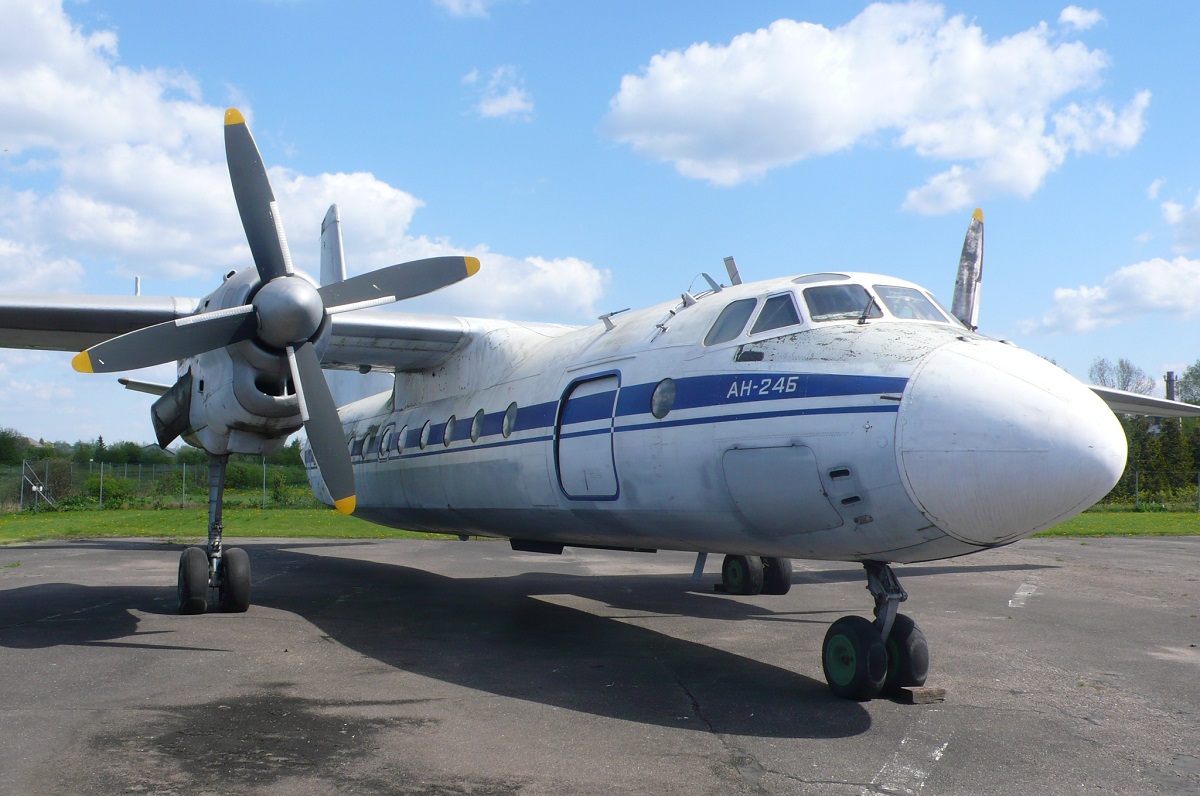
(839, 415)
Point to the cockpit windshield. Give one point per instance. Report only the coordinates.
(840, 302)
(909, 303)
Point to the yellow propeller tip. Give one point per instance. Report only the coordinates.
(978, 214)
(346, 505)
(82, 362)
(472, 265)
(234, 116)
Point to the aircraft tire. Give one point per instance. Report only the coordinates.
(193, 581)
(742, 575)
(235, 581)
(854, 659)
(777, 575)
(907, 654)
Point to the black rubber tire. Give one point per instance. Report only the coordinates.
(854, 659)
(777, 575)
(908, 656)
(742, 575)
(235, 580)
(193, 581)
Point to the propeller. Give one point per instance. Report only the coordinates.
(284, 314)
(970, 274)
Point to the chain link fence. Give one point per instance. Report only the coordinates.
(1151, 490)
(63, 484)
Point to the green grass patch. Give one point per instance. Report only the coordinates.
(192, 524)
(1128, 523)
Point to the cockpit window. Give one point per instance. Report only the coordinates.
(777, 312)
(840, 302)
(730, 322)
(909, 303)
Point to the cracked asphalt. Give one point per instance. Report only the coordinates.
(448, 667)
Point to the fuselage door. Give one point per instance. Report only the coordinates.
(584, 439)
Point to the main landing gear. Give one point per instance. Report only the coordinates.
(863, 658)
(227, 571)
(755, 575)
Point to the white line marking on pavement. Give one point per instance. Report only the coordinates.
(1026, 590)
(913, 762)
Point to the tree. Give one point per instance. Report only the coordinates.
(1123, 376)
(12, 446)
(1187, 386)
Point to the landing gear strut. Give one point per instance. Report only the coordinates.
(227, 571)
(862, 658)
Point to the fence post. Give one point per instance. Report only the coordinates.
(264, 499)
(101, 484)
(22, 485)
(183, 500)
(1137, 500)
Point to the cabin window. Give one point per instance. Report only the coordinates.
(730, 322)
(448, 434)
(400, 438)
(908, 303)
(424, 439)
(356, 447)
(840, 302)
(778, 312)
(477, 426)
(510, 420)
(663, 398)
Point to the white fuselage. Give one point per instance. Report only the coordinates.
(894, 439)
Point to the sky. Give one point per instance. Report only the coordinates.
(597, 155)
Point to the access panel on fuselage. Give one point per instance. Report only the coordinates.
(584, 439)
(778, 490)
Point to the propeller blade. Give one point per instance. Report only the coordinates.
(323, 426)
(397, 282)
(255, 200)
(169, 341)
(965, 306)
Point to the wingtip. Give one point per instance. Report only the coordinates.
(472, 265)
(82, 362)
(978, 214)
(234, 116)
(346, 505)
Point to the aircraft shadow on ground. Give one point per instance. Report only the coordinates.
(502, 635)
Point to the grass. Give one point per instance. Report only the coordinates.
(192, 524)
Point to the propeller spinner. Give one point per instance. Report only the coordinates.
(284, 315)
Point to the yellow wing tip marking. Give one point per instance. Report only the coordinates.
(346, 505)
(82, 362)
(472, 265)
(234, 116)
(978, 214)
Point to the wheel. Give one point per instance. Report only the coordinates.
(907, 656)
(235, 580)
(742, 575)
(777, 575)
(193, 581)
(854, 659)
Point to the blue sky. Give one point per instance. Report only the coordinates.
(598, 155)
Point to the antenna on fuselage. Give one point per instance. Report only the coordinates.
(734, 277)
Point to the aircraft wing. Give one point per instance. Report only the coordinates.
(72, 323)
(1132, 403)
(366, 338)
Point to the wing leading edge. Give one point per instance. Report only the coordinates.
(1132, 403)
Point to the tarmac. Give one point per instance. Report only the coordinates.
(447, 667)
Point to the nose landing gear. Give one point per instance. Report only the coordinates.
(228, 571)
(861, 658)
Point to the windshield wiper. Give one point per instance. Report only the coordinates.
(862, 319)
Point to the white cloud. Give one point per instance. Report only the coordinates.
(1079, 18)
(1154, 286)
(502, 95)
(1185, 221)
(131, 180)
(1153, 189)
(465, 8)
(898, 74)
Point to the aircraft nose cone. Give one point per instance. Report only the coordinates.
(995, 443)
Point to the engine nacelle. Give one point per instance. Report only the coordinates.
(238, 399)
